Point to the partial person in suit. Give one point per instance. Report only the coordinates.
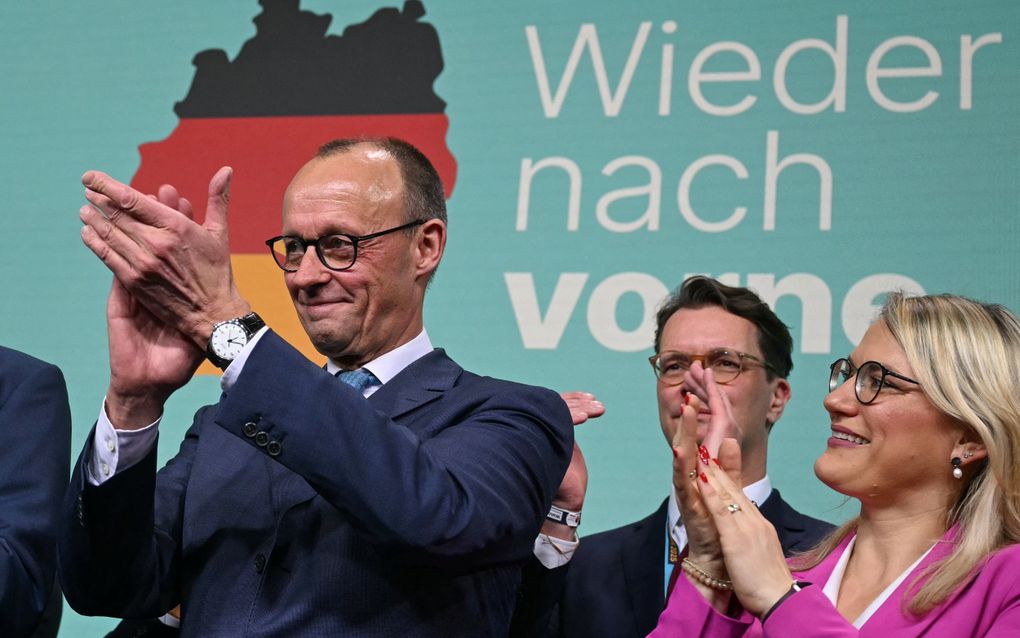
(925, 421)
(36, 422)
(401, 499)
(614, 583)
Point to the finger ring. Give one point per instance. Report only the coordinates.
(692, 474)
(733, 508)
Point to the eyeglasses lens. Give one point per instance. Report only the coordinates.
(869, 382)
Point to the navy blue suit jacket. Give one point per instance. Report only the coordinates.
(297, 508)
(36, 424)
(614, 585)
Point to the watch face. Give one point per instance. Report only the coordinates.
(228, 339)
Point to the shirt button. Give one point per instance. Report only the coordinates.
(110, 445)
(106, 469)
(262, 439)
(260, 563)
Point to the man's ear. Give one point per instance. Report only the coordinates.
(780, 397)
(429, 247)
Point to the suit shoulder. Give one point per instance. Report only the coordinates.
(1006, 559)
(531, 394)
(22, 363)
(20, 371)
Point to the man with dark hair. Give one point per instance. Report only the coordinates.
(401, 499)
(615, 583)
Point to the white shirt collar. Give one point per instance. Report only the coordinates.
(757, 492)
(392, 363)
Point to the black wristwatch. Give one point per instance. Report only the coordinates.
(229, 337)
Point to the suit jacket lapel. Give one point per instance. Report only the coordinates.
(420, 383)
(642, 556)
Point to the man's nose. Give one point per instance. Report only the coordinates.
(310, 269)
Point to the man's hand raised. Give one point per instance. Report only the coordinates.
(150, 356)
(177, 269)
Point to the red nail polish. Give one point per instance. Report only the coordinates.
(704, 479)
(687, 398)
(703, 453)
(717, 464)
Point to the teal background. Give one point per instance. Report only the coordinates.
(930, 195)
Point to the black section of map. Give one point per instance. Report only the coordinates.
(385, 65)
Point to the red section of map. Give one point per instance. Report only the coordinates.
(265, 152)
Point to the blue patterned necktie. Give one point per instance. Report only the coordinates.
(358, 379)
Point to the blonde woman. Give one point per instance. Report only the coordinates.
(925, 419)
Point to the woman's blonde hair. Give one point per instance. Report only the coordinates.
(966, 356)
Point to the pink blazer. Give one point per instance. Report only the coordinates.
(987, 606)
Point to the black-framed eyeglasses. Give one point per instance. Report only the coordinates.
(870, 378)
(726, 365)
(338, 251)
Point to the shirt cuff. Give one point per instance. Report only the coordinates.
(554, 552)
(116, 450)
(234, 369)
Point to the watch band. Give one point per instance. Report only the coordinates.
(564, 517)
(252, 323)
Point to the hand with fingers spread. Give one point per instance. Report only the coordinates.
(177, 269)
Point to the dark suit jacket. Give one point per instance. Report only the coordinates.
(614, 585)
(297, 508)
(36, 424)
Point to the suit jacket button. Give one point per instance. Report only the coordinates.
(261, 439)
(274, 448)
(260, 563)
(250, 429)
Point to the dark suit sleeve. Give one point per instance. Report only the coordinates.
(119, 544)
(36, 421)
(475, 492)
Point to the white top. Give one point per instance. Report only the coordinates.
(831, 589)
(116, 450)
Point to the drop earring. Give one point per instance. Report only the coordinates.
(957, 472)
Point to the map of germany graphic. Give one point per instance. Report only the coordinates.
(291, 88)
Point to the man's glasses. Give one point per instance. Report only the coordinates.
(336, 252)
(726, 365)
(870, 378)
